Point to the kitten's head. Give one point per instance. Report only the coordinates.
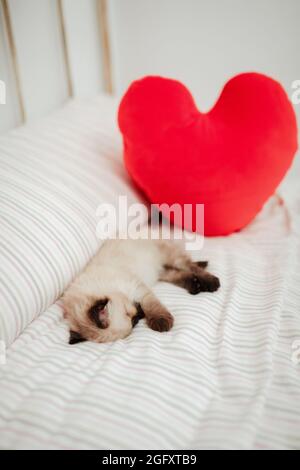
(102, 319)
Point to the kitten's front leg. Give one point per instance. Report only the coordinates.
(157, 316)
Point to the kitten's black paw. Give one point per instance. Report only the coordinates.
(201, 264)
(193, 285)
(196, 284)
(210, 283)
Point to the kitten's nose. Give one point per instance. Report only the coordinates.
(103, 319)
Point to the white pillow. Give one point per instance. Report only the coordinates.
(53, 176)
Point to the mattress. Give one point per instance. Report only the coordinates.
(226, 376)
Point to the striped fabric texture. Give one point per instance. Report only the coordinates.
(53, 176)
(226, 376)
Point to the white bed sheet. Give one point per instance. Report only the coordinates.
(226, 376)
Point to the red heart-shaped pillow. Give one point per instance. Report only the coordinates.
(230, 159)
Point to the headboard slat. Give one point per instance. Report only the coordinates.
(106, 56)
(65, 48)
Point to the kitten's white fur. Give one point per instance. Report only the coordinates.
(123, 272)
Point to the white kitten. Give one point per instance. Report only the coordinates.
(114, 291)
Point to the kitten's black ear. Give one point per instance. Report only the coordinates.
(75, 337)
(139, 315)
(140, 311)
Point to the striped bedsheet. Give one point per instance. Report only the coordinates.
(53, 175)
(226, 376)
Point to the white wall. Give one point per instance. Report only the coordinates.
(201, 42)
(41, 63)
(84, 45)
(205, 42)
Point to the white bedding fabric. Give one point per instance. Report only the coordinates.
(53, 176)
(226, 376)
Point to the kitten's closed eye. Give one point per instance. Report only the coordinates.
(98, 313)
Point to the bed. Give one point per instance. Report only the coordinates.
(226, 376)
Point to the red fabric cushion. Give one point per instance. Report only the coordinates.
(230, 159)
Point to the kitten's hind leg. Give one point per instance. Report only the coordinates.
(193, 282)
(175, 257)
(181, 270)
